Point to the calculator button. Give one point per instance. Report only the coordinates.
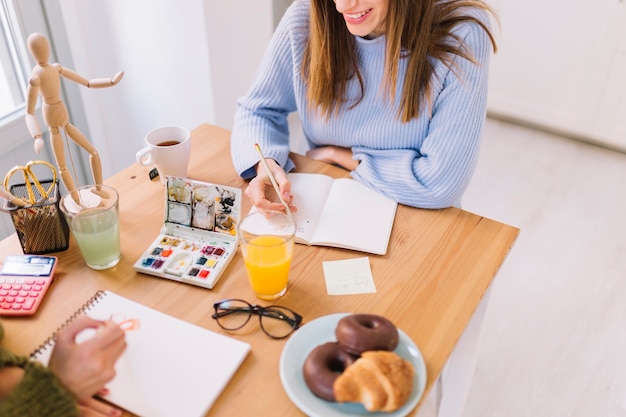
(6, 306)
(6, 286)
(40, 282)
(30, 281)
(34, 294)
(28, 304)
(20, 299)
(4, 292)
(37, 287)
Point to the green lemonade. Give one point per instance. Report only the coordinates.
(97, 233)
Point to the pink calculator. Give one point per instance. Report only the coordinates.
(24, 281)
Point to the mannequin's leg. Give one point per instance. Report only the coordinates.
(59, 155)
(94, 157)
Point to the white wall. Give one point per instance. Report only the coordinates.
(560, 66)
(183, 65)
(238, 33)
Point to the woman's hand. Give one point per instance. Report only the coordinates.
(84, 368)
(334, 155)
(92, 407)
(261, 192)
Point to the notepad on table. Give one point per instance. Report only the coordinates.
(170, 367)
(341, 213)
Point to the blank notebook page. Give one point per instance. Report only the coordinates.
(170, 367)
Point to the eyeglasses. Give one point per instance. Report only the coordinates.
(276, 321)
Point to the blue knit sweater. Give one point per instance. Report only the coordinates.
(425, 163)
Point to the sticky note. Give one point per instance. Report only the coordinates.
(350, 276)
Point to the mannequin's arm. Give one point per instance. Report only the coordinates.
(31, 121)
(93, 83)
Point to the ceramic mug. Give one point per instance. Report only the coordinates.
(169, 149)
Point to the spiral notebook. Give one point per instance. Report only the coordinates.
(170, 367)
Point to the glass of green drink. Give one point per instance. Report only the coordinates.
(93, 216)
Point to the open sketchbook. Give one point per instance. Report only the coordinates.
(170, 367)
(342, 213)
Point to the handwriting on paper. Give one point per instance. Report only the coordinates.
(350, 276)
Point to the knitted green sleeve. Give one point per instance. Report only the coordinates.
(39, 394)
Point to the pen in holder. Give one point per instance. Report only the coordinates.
(41, 227)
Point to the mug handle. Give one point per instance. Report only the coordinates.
(145, 156)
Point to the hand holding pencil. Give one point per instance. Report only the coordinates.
(270, 175)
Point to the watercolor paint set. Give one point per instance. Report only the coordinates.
(199, 235)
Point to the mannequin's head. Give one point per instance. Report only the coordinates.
(39, 47)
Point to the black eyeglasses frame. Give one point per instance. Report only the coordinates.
(261, 311)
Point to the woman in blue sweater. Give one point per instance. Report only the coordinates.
(393, 90)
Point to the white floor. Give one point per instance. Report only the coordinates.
(554, 341)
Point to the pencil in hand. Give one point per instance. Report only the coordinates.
(270, 174)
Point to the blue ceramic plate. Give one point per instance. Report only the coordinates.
(322, 330)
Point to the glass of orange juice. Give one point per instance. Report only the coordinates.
(267, 240)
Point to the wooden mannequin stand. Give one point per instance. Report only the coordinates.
(46, 81)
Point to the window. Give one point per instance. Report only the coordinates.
(13, 79)
(17, 19)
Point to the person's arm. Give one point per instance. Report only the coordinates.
(261, 115)
(436, 175)
(85, 367)
(76, 372)
(261, 192)
(10, 377)
(28, 389)
(335, 155)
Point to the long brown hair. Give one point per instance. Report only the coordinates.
(417, 30)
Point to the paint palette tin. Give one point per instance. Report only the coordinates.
(199, 235)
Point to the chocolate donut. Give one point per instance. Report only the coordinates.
(322, 367)
(358, 333)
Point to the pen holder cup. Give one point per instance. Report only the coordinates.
(41, 228)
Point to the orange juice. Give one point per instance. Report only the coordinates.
(267, 260)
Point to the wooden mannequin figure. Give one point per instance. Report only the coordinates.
(46, 79)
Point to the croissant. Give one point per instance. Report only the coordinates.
(380, 380)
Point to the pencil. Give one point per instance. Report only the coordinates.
(272, 179)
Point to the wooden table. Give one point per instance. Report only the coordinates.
(438, 266)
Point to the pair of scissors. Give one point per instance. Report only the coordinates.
(30, 179)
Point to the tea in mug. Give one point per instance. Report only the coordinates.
(168, 143)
